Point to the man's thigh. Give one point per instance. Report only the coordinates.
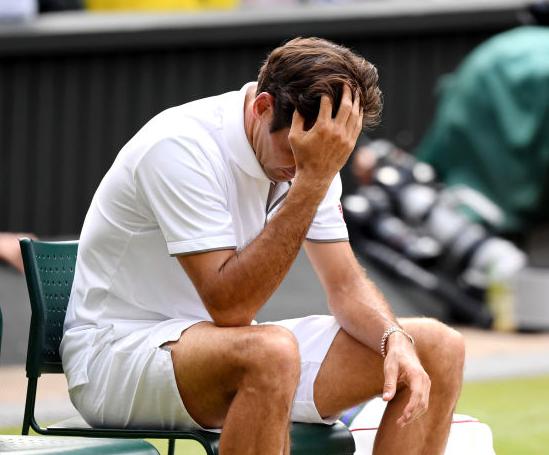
(131, 387)
(210, 361)
(353, 373)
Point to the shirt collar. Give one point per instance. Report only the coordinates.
(233, 126)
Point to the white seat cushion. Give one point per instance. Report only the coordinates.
(467, 434)
(72, 422)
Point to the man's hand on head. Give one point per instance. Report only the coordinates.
(321, 151)
(402, 366)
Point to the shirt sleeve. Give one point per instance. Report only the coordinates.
(328, 224)
(185, 196)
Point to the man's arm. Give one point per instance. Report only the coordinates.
(10, 250)
(363, 313)
(234, 285)
(353, 299)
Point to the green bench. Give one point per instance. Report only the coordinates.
(79, 446)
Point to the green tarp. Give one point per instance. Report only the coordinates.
(491, 129)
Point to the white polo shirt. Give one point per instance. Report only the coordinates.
(187, 182)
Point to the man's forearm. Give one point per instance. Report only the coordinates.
(361, 309)
(364, 314)
(250, 276)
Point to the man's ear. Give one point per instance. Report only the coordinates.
(263, 104)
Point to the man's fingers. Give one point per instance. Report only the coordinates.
(345, 106)
(419, 400)
(414, 401)
(426, 395)
(325, 110)
(298, 123)
(411, 410)
(391, 376)
(355, 112)
(358, 124)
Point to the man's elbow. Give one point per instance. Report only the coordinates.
(231, 320)
(228, 317)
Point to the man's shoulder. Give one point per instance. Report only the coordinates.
(195, 118)
(200, 122)
(194, 132)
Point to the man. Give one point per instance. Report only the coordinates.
(154, 340)
(10, 251)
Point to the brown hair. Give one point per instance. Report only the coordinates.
(297, 73)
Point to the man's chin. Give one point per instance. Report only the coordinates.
(277, 178)
(280, 175)
(282, 180)
(287, 175)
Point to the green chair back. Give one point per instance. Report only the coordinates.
(49, 269)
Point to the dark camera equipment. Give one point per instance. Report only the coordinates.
(427, 234)
(540, 11)
(372, 208)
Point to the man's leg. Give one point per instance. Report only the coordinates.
(352, 373)
(242, 379)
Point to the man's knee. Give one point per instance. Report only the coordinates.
(271, 356)
(442, 352)
(452, 347)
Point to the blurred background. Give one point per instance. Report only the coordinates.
(79, 77)
(75, 85)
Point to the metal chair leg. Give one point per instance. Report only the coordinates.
(171, 447)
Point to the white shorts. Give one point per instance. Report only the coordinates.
(133, 385)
